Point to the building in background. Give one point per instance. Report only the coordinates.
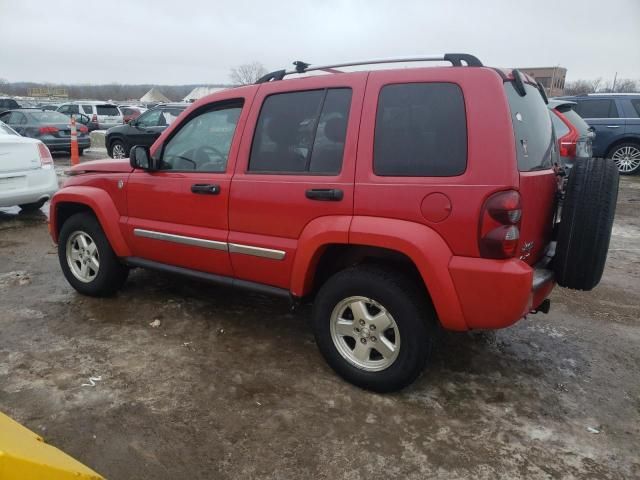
(154, 96)
(551, 78)
(199, 92)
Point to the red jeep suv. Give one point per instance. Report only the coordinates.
(398, 201)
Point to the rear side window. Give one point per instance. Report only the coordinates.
(421, 131)
(534, 138)
(301, 132)
(597, 108)
(88, 109)
(109, 110)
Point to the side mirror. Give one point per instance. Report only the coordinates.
(140, 157)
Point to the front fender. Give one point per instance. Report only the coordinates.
(102, 206)
(428, 251)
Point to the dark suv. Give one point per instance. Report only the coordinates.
(143, 130)
(8, 104)
(616, 119)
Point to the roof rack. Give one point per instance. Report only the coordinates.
(456, 60)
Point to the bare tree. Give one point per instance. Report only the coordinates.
(623, 85)
(578, 87)
(247, 73)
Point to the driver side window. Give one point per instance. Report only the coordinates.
(203, 142)
(149, 119)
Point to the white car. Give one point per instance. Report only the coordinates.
(103, 115)
(27, 176)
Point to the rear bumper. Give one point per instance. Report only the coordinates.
(497, 293)
(55, 144)
(40, 184)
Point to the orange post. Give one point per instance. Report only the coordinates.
(75, 158)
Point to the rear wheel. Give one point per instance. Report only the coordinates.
(87, 260)
(32, 207)
(587, 218)
(374, 327)
(626, 156)
(117, 150)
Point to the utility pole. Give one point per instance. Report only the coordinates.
(613, 87)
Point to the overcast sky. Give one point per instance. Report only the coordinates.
(191, 41)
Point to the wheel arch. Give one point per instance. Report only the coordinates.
(627, 138)
(413, 248)
(76, 199)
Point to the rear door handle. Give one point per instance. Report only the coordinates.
(205, 188)
(613, 126)
(325, 194)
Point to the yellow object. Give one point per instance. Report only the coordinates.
(25, 456)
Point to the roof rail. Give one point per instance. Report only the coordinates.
(456, 60)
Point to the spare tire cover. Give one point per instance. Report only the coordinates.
(586, 221)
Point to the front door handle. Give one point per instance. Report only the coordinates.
(613, 126)
(205, 188)
(325, 194)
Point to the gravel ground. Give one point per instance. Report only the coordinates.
(230, 385)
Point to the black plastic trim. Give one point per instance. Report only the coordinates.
(208, 277)
(277, 75)
(518, 83)
(456, 59)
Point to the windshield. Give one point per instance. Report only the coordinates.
(534, 138)
(49, 117)
(5, 130)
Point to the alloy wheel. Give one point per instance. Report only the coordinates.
(627, 158)
(83, 257)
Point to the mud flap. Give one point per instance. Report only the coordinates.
(25, 456)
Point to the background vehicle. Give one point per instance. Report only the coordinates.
(8, 104)
(400, 200)
(144, 130)
(575, 137)
(103, 115)
(48, 106)
(616, 119)
(131, 112)
(52, 128)
(27, 176)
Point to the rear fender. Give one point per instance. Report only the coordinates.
(428, 251)
(102, 206)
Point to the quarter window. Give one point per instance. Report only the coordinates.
(203, 142)
(301, 132)
(600, 108)
(421, 131)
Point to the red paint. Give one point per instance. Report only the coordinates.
(432, 221)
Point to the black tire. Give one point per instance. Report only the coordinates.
(617, 154)
(32, 207)
(111, 273)
(403, 299)
(587, 218)
(114, 145)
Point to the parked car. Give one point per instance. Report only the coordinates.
(144, 130)
(575, 136)
(103, 115)
(27, 176)
(131, 112)
(616, 119)
(48, 106)
(8, 104)
(52, 128)
(398, 201)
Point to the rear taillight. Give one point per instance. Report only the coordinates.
(45, 156)
(499, 232)
(83, 129)
(567, 143)
(94, 119)
(47, 130)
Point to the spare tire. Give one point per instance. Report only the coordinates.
(586, 220)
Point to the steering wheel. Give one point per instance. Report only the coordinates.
(204, 153)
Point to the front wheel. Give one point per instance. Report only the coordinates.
(627, 158)
(117, 150)
(375, 327)
(87, 260)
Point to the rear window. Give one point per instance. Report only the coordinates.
(535, 145)
(577, 121)
(109, 110)
(597, 108)
(49, 117)
(636, 106)
(559, 125)
(5, 130)
(421, 131)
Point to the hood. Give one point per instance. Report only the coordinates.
(108, 165)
